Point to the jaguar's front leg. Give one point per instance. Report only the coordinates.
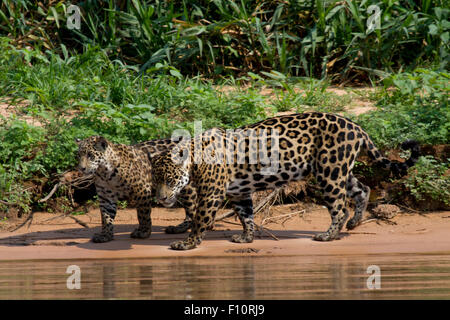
(203, 219)
(108, 209)
(180, 228)
(192, 241)
(188, 199)
(145, 222)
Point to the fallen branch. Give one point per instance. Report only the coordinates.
(28, 219)
(410, 209)
(229, 222)
(377, 220)
(269, 200)
(272, 196)
(368, 220)
(51, 192)
(225, 215)
(82, 182)
(261, 228)
(81, 223)
(257, 209)
(287, 215)
(67, 215)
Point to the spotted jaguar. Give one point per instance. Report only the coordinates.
(223, 164)
(122, 172)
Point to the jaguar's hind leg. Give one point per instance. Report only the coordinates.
(243, 206)
(360, 194)
(334, 197)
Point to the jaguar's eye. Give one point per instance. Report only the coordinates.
(90, 156)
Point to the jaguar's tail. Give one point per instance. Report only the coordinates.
(397, 168)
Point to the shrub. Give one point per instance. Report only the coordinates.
(413, 106)
(429, 178)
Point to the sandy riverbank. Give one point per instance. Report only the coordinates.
(62, 238)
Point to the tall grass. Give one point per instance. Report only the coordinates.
(214, 38)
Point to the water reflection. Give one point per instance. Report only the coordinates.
(412, 276)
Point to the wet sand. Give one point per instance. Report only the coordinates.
(50, 238)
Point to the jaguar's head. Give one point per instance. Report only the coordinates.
(169, 178)
(92, 154)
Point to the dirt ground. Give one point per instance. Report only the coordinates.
(52, 236)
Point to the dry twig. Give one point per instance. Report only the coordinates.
(266, 202)
(81, 182)
(51, 192)
(287, 216)
(261, 228)
(257, 209)
(28, 219)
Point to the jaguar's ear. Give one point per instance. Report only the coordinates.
(180, 156)
(77, 140)
(185, 161)
(101, 144)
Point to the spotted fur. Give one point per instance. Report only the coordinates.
(123, 172)
(321, 144)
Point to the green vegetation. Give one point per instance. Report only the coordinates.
(429, 179)
(138, 70)
(314, 38)
(96, 96)
(417, 109)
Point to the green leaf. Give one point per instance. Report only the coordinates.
(274, 75)
(445, 37)
(176, 73)
(433, 29)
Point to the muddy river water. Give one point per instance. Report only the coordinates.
(388, 276)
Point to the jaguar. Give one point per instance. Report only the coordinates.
(231, 164)
(123, 172)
